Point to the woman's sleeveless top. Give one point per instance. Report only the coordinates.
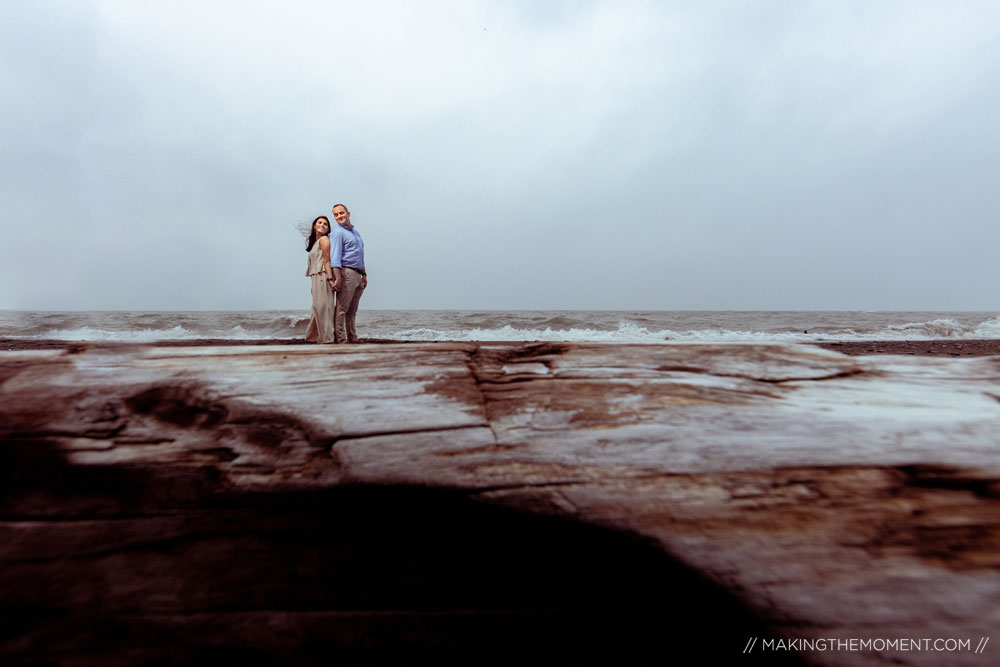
(315, 260)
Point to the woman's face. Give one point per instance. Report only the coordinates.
(322, 226)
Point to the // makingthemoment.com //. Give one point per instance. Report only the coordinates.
(877, 644)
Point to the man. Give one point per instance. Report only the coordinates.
(347, 259)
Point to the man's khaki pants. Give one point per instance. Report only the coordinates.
(347, 306)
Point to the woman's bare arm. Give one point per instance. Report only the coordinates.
(324, 248)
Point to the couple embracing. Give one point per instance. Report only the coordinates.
(337, 267)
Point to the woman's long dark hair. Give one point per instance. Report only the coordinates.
(312, 231)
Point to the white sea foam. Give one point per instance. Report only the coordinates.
(987, 329)
(239, 333)
(509, 333)
(930, 330)
(629, 332)
(132, 336)
(554, 326)
(177, 332)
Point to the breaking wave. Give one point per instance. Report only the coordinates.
(554, 326)
(630, 332)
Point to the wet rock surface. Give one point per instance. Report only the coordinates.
(462, 502)
(941, 348)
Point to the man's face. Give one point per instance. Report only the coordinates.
(342, 216)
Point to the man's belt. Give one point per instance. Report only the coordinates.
(361, 271)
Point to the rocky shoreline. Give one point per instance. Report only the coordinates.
(477, 503)
(931, 348)
(939, 348)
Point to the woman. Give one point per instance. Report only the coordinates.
(318, 246)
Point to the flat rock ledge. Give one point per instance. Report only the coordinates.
(450, 503)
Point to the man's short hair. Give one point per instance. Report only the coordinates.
(344, 205)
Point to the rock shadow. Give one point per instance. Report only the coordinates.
(169, 565)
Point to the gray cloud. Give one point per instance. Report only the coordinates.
(801, 155)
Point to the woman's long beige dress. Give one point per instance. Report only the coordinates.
(321, 323)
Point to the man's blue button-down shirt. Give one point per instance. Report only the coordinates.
(346, 248)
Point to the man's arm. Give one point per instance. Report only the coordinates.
(336, 256)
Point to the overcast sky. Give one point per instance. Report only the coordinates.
(512, 154)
